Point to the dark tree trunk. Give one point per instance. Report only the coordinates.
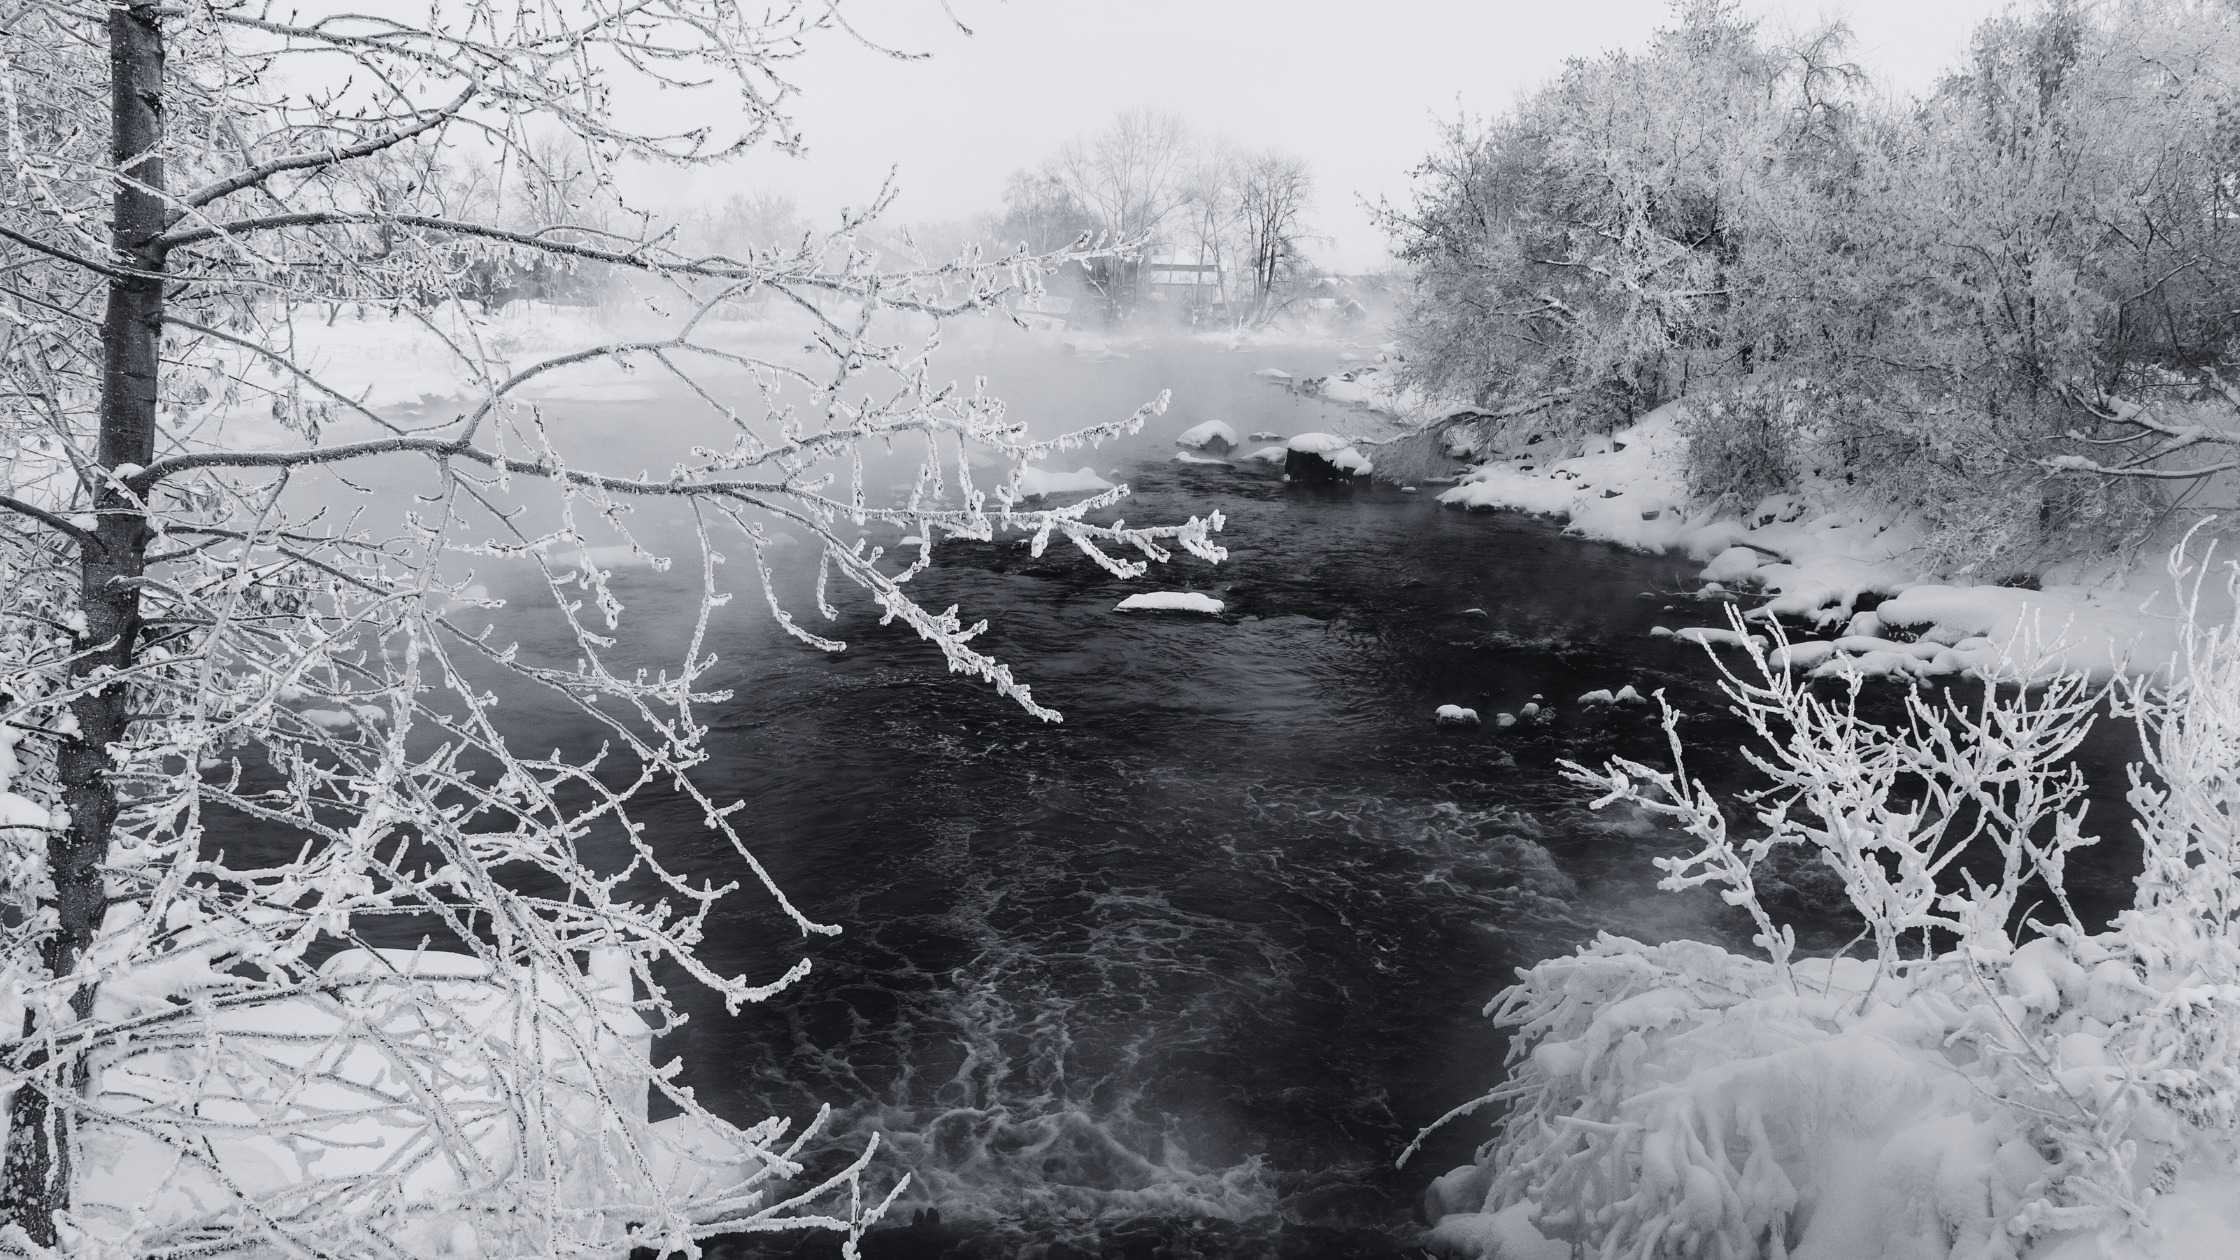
(35, 1180)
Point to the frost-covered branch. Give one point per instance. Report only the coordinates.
(1679, 1100)
(211, 1046)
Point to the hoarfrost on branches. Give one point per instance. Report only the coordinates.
(2046, 1081)
(192, 191)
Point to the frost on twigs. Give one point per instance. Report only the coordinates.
(265, 593)
(1989, 1076)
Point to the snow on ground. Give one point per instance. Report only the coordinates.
(1170, 601)
(1815, 556)
(1864, 1117)
(313, 1084)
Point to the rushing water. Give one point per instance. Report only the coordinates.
(1182, 975)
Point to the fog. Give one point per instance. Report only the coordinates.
(1358, 90)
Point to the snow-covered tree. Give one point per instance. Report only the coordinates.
(189, 623)
(1955, 276)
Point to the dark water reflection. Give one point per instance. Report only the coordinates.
(1187, 971)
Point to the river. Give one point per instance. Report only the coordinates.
(1182, 975)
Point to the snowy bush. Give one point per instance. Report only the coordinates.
(1989, 1080)
(1742, 447)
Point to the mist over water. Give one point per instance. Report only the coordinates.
(1188, 970)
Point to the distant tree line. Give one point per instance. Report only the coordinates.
(1955, 298)
(1236, 215)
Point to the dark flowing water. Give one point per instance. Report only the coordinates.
(1182, 975)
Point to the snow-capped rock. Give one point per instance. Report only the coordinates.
(1170, 601)
(1212, 436)
(1036, 482)
(1323, 457)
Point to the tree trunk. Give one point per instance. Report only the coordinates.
(35, 1180)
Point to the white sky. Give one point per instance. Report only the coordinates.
(1356, 86)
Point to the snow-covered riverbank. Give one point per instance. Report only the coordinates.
(1849, 580)
(1681, 1099)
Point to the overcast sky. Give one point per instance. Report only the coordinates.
(1356, 86)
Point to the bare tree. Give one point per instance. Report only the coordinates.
(192, 624)
(1213, 212)
(765, 219)
(1272, 198)
(1129, 176)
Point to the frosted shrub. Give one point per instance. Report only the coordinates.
(1957, 1092)
(1742, 447)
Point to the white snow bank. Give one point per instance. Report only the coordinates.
(1271, 454)
(1273, 374)
(1170, 601)
(1625, 488)
(1735, 564)
(1337, 450)
(1036, 482)
(1191, 457)
(1213, 434)
(328, 1090)
(1504, 1235)
(2079, 630)
(1712, 1102)
(1815, 561)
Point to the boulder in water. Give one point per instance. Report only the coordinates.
(1455, 715)
(1323, 457)
(1211, 436)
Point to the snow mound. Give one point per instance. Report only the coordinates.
(1213, 435)
(1036, 482)
(1271, 454)
(1267, 435)
(1170, 601)
(1735, 564)
(1191, 457)
(1273, 374)
(1455, 715)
